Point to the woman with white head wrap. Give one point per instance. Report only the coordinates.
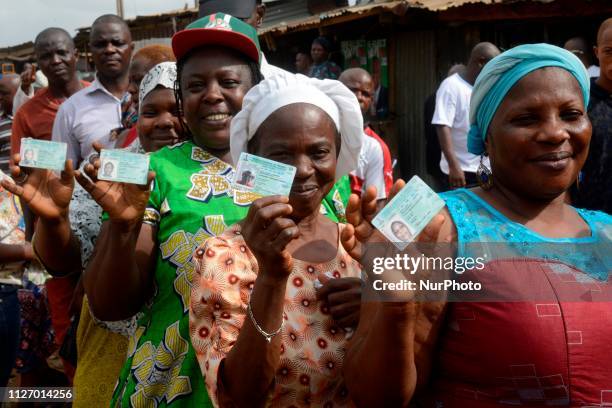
(298, 88)
(280, 340)
(158, 122)
(328, 95)
(161, 75)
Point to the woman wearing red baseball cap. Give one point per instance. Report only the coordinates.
(143, 264)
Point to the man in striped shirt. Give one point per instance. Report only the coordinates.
(8, 87)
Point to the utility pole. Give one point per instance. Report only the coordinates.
(120, 8)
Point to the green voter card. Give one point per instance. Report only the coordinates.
(42, 154)
(123, 167)
(263, 177)
(403, 219)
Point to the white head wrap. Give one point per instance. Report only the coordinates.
(163, 74)
(281, 90)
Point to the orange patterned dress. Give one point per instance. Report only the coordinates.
(313, 346)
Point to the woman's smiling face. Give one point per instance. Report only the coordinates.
(158, 122)
(213, 84)
(304, 136)
(539, 137)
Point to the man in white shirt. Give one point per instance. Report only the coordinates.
(251, 12)
(90, 114)
(451, 118)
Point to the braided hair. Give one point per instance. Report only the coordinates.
(256, 77)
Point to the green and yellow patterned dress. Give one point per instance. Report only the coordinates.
(335, 202)
(191, 200)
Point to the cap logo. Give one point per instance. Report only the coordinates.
(220, 23)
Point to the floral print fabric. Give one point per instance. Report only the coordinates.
(191, 200)
(313, 346)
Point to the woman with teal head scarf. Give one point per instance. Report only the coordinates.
(535, 334)
(503, 72)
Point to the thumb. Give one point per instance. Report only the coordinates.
(97, 146)
(397, 187)
(324, 278)
(324, 290)
(150, 179)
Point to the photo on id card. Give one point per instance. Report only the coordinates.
(42, 154)
(403, 219)
(123, 167)
(262, 177)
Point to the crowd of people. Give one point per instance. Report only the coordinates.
(186, 292)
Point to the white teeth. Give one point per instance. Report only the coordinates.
(217, 116)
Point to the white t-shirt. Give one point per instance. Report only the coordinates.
(593, 71)
(453, 110)
(370, 167)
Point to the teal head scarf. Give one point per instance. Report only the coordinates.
(502, 72)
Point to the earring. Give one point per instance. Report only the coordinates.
(483, 174)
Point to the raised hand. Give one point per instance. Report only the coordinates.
(28, 77)
(46, 194)
(267, 232)
(124, 203)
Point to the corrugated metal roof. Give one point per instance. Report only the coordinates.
(441, 5)
(284, 12)
(304, 18)
(296, 15)
(283, 15)
(19, 52)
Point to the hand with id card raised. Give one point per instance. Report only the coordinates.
(113, 189)
(37, 183)
(267, 228)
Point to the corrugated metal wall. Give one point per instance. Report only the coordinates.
(415, 80)
(150, 41)
(284, 11)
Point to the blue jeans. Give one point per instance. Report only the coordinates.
(9, 330)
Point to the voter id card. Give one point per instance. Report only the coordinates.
(42, 154)
(263, 177)
(123, 167)
(403, 219)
